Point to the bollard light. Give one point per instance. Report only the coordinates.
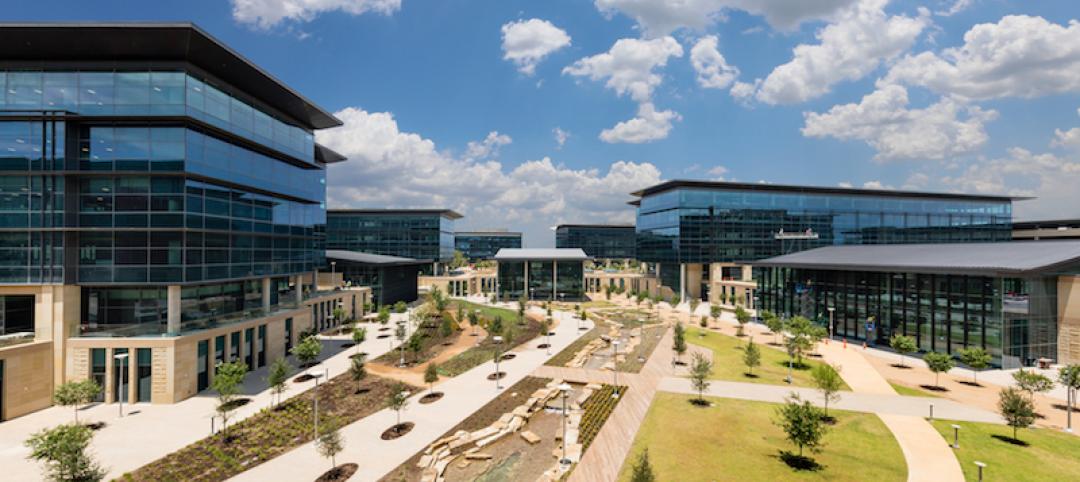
(981, 466)
(931, 411)
(956, 436)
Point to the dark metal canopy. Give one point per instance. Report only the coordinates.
(1010, 258)
(160, 42)
(447, 213)
(372, 259)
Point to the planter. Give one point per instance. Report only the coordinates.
(431, 397)
(397, 431)
(340, 473)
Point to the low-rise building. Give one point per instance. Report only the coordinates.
(541, 274)
(390, 278)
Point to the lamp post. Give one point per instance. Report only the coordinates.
(315, 401)
(333, 270)
(615, 367)
(1070, 397)
(565, 390)
(498, 355)
(831, 310)
(956, 436)
(121, 357)
(981, 466)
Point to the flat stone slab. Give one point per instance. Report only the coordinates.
(478, 456)
(530, 437)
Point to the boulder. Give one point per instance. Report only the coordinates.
(521, 411)
(429, 475)
(530, 437)
(424, 462)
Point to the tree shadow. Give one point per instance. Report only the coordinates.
(934, 388)
(902, 367)
(750, 375)
(1010, 440)
(800, 462)
(970, 383)
(799, 366)
(700, 402)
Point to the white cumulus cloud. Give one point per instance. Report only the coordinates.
(629, 65)
(1019, 56)
(884, 121)
(661, 17)
(527, 42)
(856, 41)
(561, 136)
(649, 125)
(391, 168)
(266, 14)
(713, 71)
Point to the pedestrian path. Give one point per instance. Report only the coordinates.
(148, 432)
(463, 395)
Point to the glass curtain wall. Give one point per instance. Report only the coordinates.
(541, 279)
(511, 279)
(571, 280)
(1015, 319)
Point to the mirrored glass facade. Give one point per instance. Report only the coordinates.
(598, 241)
(541, 280)
(417, 235)
(1015, 319)
(729, 222)
(477, 246)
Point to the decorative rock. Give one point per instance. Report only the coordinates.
(441, 465)
(521, 411)
(424, 462)
(530, 437)
(429, 475)
(463, 464)
(478, 456)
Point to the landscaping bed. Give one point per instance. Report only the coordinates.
(485, 416)
(563, 357)
(738, 439)
(431, 343)
(267, 434)
(597, 410)
(649, 341)
(485, 351)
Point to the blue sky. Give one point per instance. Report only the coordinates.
(941, 95)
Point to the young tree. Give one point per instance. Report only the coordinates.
(801, 339)
(743, 317)
(399, 335)
(903, 345)
(545, 328)
(679, 344)
(607, 292)
(802, 422)
(775, 325)
(446, 328)
(474, 319)
(330, 443)
(384, 315)
(1069, 377)
(700, 370)
(358, 371)
(977, 359)
(359, 334)
(339, 314)
(828, 382)
(76, 393)
(227, 380)
(675, 299)
(307, 351)
(1017, 410)
(640, 297)
(547, 308)
(694, 303)
(398, 400)
(715, 312)
(496, 326)
(643, 471)
(751, 357)
(1032, 382)
(523, 303)
(431, 375)
(416, 345)
(400, 307)
(459, 261)
(277, 376)
(938, 363)
(459, 315)
(63, 449)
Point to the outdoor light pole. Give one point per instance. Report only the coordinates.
(315, 397)
(333, 267)
(121, 357)
(956, 436)
(981, 466)
(1070, 396)
(615, 367)
(565, 389)
(498, 356)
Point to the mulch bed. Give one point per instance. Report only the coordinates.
(397, 431)
(237, 403)
(543, 346)
(383, 337)
(431, 397)
(934, 388)
(96, 425)
(497, 376)
(304, 378)
(340, 473)
(267, 434)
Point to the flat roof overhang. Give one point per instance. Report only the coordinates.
(155, 41)
(749, 186)
(447, 213)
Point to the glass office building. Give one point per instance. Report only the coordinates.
(480, 245)
(405, 233)
(541, 274)
(1002, 297)
(682, 222)
(601, 241)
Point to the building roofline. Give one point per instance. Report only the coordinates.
(327, 155)
(373, 259)
(1045, 223)
(488, 233)
(612, 226)
(149, 41)
(681, 183)
(450, 213)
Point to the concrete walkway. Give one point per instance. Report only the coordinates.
(852, 401)
(464, 395)
(148, 432)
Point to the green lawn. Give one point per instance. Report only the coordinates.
(486, 312)
(737, 440)
(728, 361)
(1050, 455)
(912, 392)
